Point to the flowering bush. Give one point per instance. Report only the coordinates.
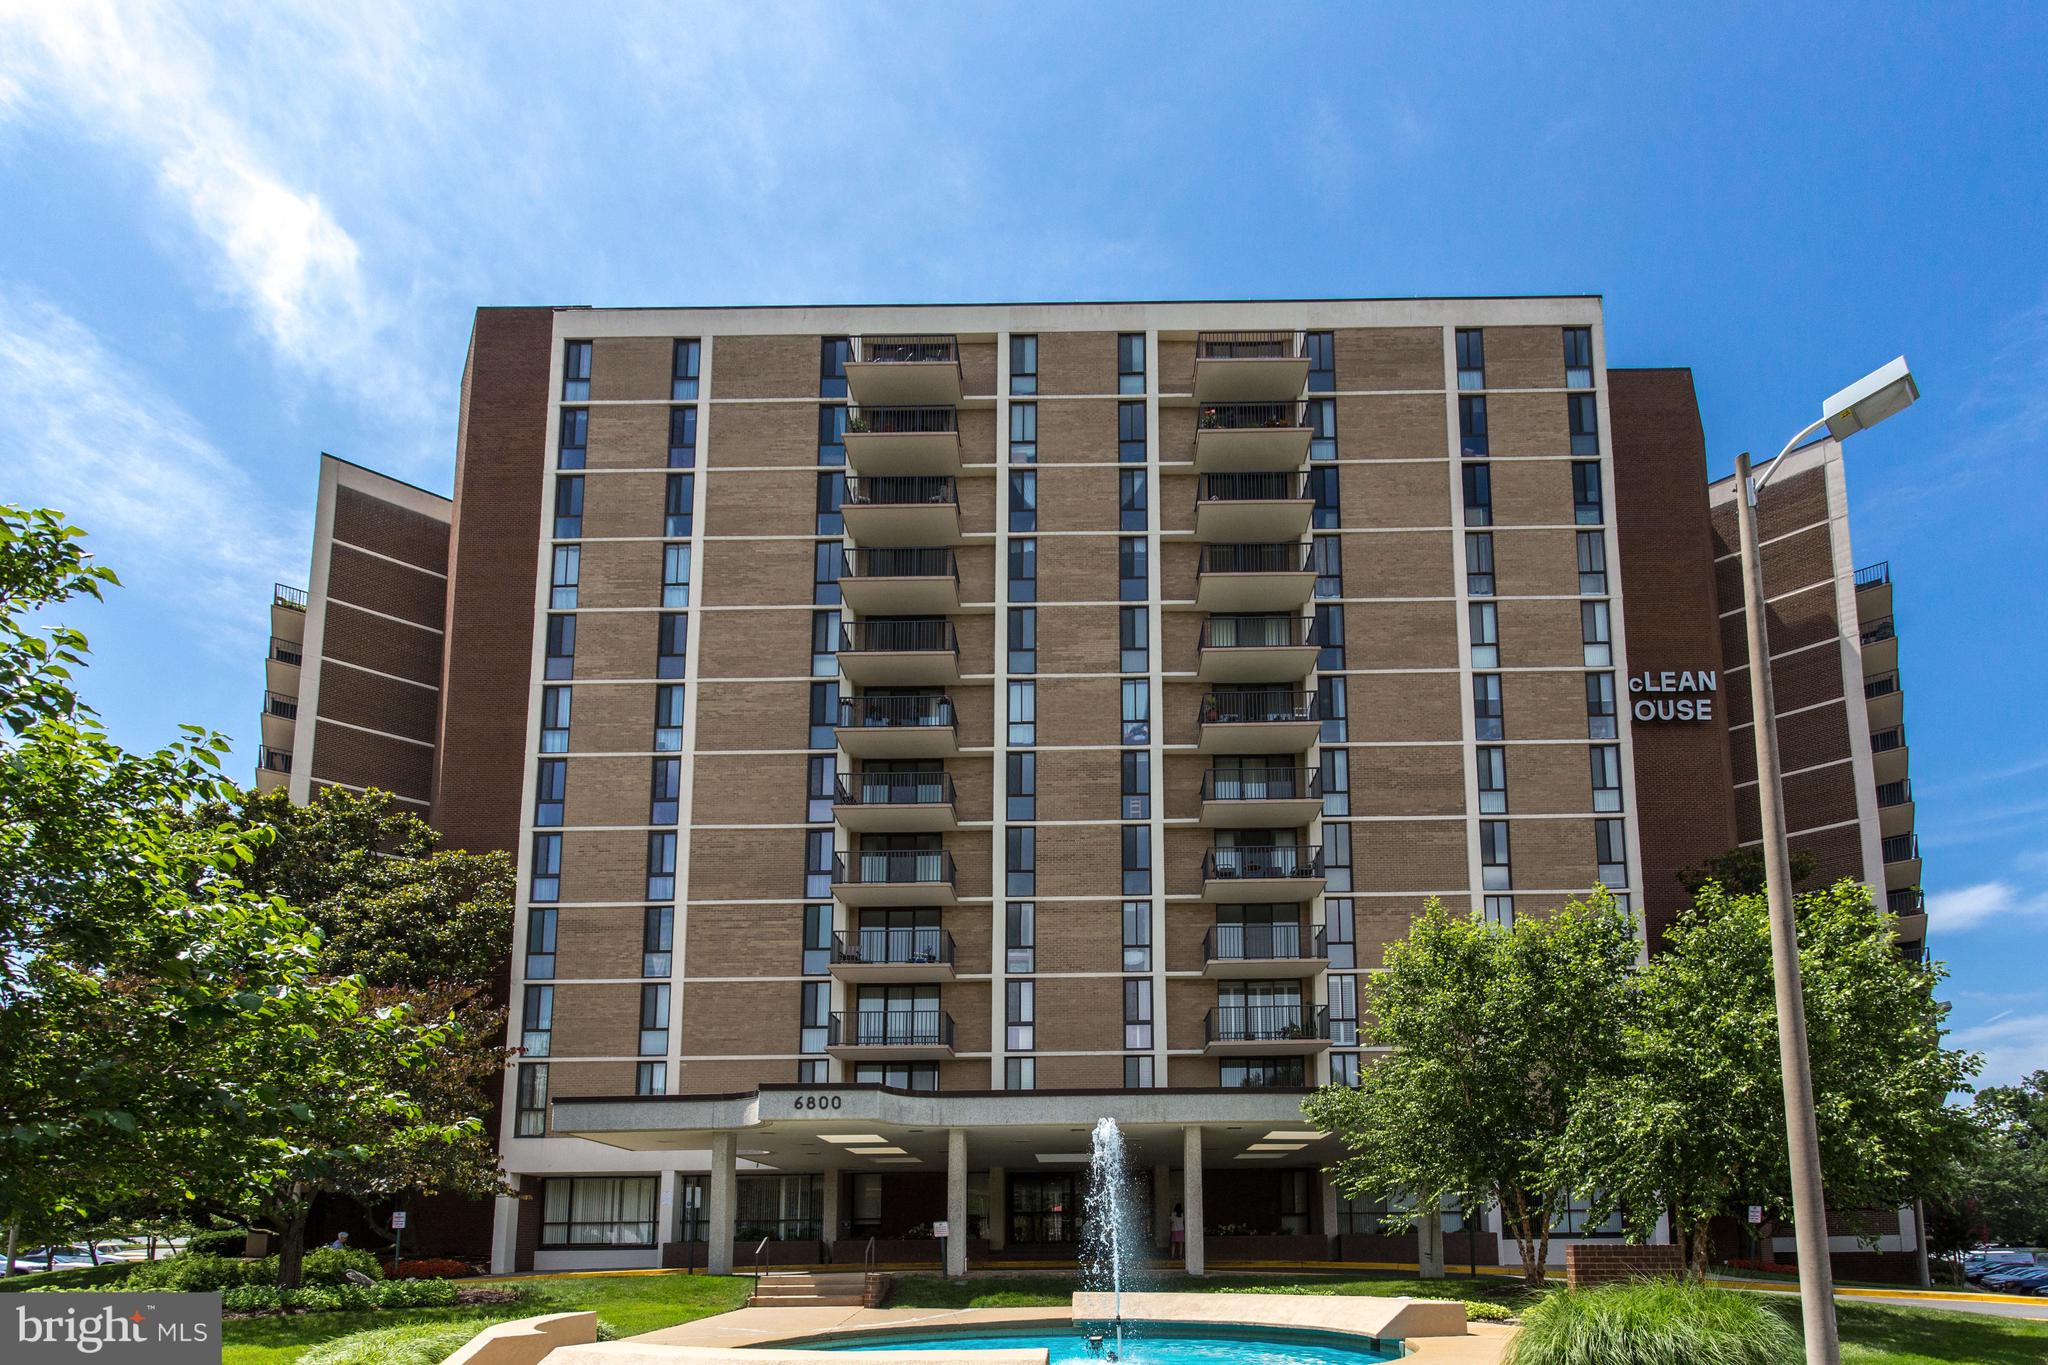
(428, 1268)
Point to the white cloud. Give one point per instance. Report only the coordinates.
(2014, 1045)
(1968, 907)
(182, 524)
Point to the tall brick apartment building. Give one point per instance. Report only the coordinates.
(924, 731)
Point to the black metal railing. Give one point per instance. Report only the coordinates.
(1252, 488)
(894, 867)
(284, 708)
(910, 350)
(1260, 706)
(1271, 557)
(1247, 346)
(902, 563)
(775, 1230)
(894, 789)
(891, 1028)
(1267, 862)
(1266, 1023)
(1901, 848)
(1880, 629)
(287, 651)
(1884, 741)
(1262, 784)
(274, 761)
(880, 421)
(1897, 793)
(885, 712)
(286, 596)
(1883, 685)
(894, 947)
(1907, 900)
(1252, 416)
(1874, 575)
(1265, 943)
(1258, 632)
(917, 634)
(901, 490)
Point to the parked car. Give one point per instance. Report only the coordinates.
(67, 1258)
(2023, 1280)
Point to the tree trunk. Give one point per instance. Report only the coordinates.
(92, 1249)
(13, 1240)
(152, 1246)
(291, 1247)
(1697, 1238)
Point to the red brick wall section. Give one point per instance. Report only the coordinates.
(1593, 1263)
(492, 554)
(1671, 612)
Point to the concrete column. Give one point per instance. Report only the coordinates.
(505, 1235)
(1191, 1196)
(998, 1208)
(1326, 1187)
(956, 1201)
(721, 1207)
(829, 1219)
(1162, 1208)
(1429, 1244)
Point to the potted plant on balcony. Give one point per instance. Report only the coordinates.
(1210, 419)
(856, 424)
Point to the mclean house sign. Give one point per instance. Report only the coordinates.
(1685, 695)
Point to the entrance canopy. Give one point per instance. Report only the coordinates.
(873, 1127)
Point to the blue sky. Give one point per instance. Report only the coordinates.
(232, 236)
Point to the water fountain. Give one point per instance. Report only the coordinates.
(1110, 1229)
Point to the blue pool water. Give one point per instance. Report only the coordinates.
(1152, 1343)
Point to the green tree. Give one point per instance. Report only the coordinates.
(1694, 1122)
(2006, 1173)
(1497, 1034)
(1740, 871)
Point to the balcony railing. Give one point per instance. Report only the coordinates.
(1273, 862)
(1265, 487)
(1258, 632)
(1247, 346)
(1884, 741)
(901, 490)
(1883, 685)
(1264, 943)
(1901, 848)
(878, 713)
(287, 651)
(284, 595)
(1265, 706)
(1880, 629)
(902, 563)
(1252, 416)
(284, 708)
(1262, 784)
(1266, 1023)
(1874, 575)
(274, 761)
(894, 867)
(1271, 558)
(894, 789)
(893, 947)
(909, 350)
(902, 421)
(1907, 900)
(920, 634)
(1897, 793)
(891, 1028)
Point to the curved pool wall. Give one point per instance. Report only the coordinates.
(1145, 1343)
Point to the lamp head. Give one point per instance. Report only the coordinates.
(1871, 399)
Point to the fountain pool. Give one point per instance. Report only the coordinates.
(1150, 1343)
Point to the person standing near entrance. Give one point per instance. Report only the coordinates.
(1179, 1228)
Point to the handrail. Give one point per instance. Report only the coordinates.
(923, 867)
(1874, 575)
(287, 651)
(1883, 685)
(890, 1028)
(1281, 942)
(867, 1257)
(1880, 629)
(879, 420)
(893, 946)
(1252, 416)
(1259, 706)
(1265, 1023)
(1262, 784)
(901, 490)
(913, 633)
(1897, 793)
(1254, 557)
(1252, 487)
(1248, 346)
(926, 349)
(1884, 741)
(893, 789)
(1907, 900)
(760, 1251)
(1258, 632)
(284, 595)
(1900, 848)
(1262, 862)
(284, 708)
(869, 712)
(908, 562)
(274, 761)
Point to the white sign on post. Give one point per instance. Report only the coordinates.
(1756, 1213)
(942, 1229)
(397, 1220)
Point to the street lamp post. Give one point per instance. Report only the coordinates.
(1863, 404)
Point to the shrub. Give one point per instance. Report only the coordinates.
(1484, 1310)
(1653, 1322)
(329, 1266)
(339, 1298)
(198, 1273)
(428, 1268)
(425, 1343)
(225, 1242)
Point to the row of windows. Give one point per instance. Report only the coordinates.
(1578, 358)
(1582, 416)
(1610, 854)
(1489, 723)
(1587, 503)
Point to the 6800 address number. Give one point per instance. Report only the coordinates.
(817, 1102)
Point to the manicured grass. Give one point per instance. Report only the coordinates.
(1874, 1334)
(84, 1277)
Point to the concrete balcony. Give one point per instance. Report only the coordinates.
(281, 667)
(273, 769)
(1235, 579)
(1874, 591)
(897, 727)
(1880, 642)
(1264, 952)
(280, 721)
(1248, 367)
(909, 877)
(898, 956)
(1265, 1029)
(1257, 649)
(1895, 807)
(1261, 798)
(1245, 438)
(1252, 507)
(1274, 720)
(891, 1035)
(1267, 875)
(891, 652)
(1884, 700)
(918, 581)
(1901, 854)
(906, 371)
(902, 509)
(903, 442)
(895, 803)
(1889, 753)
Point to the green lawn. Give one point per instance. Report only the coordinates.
(1873, 1334)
